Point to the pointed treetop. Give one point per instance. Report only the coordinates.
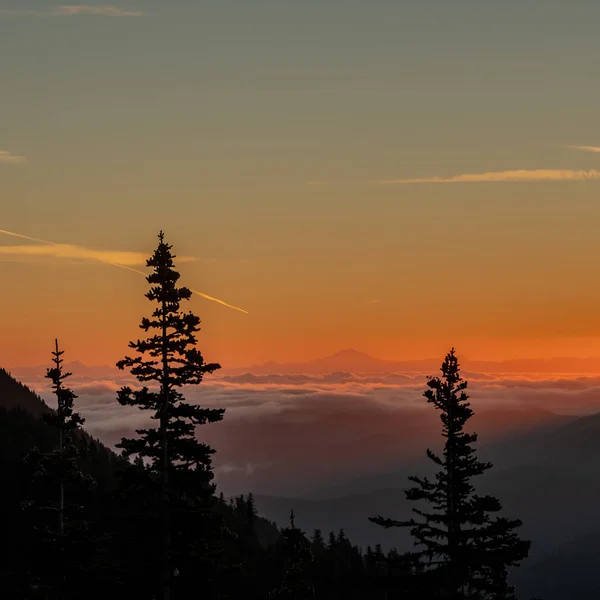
(57, 353)
(451, 367)
(56, 373)
(65, 418)
(292, 519)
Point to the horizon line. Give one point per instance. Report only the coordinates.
(308, 361)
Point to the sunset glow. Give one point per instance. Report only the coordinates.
(354, 262)
(300, 299)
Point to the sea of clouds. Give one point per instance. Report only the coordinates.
(287, 432)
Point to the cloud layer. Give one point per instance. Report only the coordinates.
(586, 148)
(506, 176)
(82, 253)
(72, 10)
(76, 252)
(278, 428)
(8, 158)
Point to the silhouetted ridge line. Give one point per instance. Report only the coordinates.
(361, 362)
(14, 394)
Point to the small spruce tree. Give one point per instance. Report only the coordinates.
(179, 464)
(250, 514)
(466, 547)
(318, 542)
(66, 421)
(59, 489)
(297, 557)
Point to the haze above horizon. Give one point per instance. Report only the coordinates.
(354, 361)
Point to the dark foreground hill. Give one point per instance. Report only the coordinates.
(14, 394)
(21, 429)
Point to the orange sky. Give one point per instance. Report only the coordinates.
(490, 302)
(457, 156)
(95, 309)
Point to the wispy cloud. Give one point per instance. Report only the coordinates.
(72, 10)
(505, 176)
(248, 468)
(103, 10)
(585, 148)
(324, 182)
(8, 158)
(114, 258)
(78, 252)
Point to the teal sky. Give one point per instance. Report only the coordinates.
(209, 118)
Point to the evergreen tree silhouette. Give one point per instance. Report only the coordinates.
(317, 543)
(58, 490)
(467, 551)
(65, 419)
(331, 541)
(179, 464)
(297, 556)
(250, 516)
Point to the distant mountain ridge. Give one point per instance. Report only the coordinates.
(350, 360)
(78, 368)
(361, 362)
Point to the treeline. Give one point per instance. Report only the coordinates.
(81, 521)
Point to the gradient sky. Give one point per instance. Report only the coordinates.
(256, 134)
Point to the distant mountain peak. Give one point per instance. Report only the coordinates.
(350, 353)
(345, 360)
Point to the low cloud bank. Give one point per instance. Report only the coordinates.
(286, 433)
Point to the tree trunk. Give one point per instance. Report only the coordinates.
(164, 421)
(451, 509)
(61, 492)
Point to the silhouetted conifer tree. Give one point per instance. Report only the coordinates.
(58, 491)
(317, 542)
(250, 516)
(179, 464)
(331, 542)
(467, 550)
(297, 556)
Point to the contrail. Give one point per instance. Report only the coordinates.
(191, 290)
(505, 176)
(120, 266)
(26, 237)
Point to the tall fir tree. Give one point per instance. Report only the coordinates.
(59, 490)
(179, 465)
(466, 548)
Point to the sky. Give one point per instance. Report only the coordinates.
(397, 177)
